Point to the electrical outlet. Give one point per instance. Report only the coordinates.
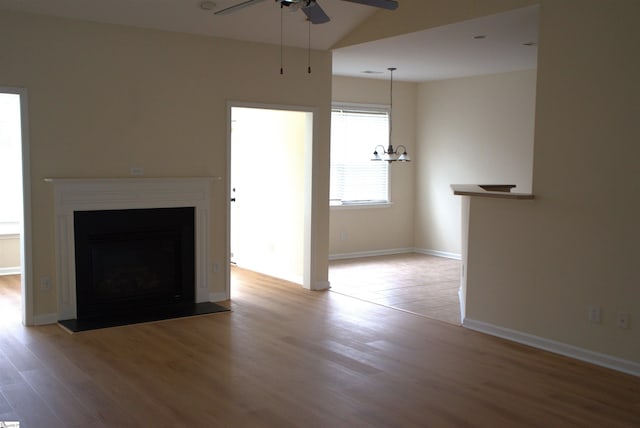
(624, 319)
(344, 235)
(45, 284)
(595, 314)
(136, 171)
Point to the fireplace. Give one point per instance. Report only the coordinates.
(135, 261)
(109, 196)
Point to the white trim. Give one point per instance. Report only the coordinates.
(309, 259)
(12, 270)
(582, 354)
(45, 319)
(445, 254)
(392, 251)
(218, 297)
(344, 105)
(360, 206)
(26, 256)
(90, 194)
(372, 253)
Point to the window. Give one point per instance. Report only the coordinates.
(355, 132)
(10, 164)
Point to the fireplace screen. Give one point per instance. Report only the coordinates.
(133, 260)
(129, 268)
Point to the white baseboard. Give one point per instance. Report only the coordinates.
(322, 285)
(10, 270)
(44, 319)
(448, 255)
(218, 297)
(582, 354)
(392, 251)
(359, 254)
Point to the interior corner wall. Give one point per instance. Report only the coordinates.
(373, 230)
(536, 267)
(476, 130)
(106, 98)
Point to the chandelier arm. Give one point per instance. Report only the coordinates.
(375, 150)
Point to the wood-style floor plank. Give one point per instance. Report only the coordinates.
(288, 357)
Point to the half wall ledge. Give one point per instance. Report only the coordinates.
(502, 191)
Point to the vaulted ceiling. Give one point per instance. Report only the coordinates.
(437, 53)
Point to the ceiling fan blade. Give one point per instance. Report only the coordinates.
(236, 7)
(314, 13)
(383, 4)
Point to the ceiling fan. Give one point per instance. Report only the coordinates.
(311, 8)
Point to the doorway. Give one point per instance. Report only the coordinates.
(14, 191)
(270, 149)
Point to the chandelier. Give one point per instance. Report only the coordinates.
(390, 154)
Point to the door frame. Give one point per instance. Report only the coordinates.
(308, 260)
(26, 249)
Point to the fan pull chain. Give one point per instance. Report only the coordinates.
(309, 49)
(281, 39)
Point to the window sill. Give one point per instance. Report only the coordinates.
(356, 206)
(10, 230)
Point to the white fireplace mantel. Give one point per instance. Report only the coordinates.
(92, 194)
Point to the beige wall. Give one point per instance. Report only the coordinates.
(105, 98)
(536, 267)
(366, 230)
(470, 130)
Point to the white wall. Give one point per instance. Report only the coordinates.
(367, 230)
(476, 130)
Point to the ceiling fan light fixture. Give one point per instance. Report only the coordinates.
(315, 14)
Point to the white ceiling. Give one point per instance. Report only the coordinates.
(449, 51)
(438, 53)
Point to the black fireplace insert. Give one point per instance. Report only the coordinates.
(134, 262)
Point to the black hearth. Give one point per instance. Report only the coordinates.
(134, 265)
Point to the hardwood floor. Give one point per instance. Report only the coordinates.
(288, 357)
(421, 284)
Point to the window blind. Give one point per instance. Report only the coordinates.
(355, 132)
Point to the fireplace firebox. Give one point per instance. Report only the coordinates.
(134, 262)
